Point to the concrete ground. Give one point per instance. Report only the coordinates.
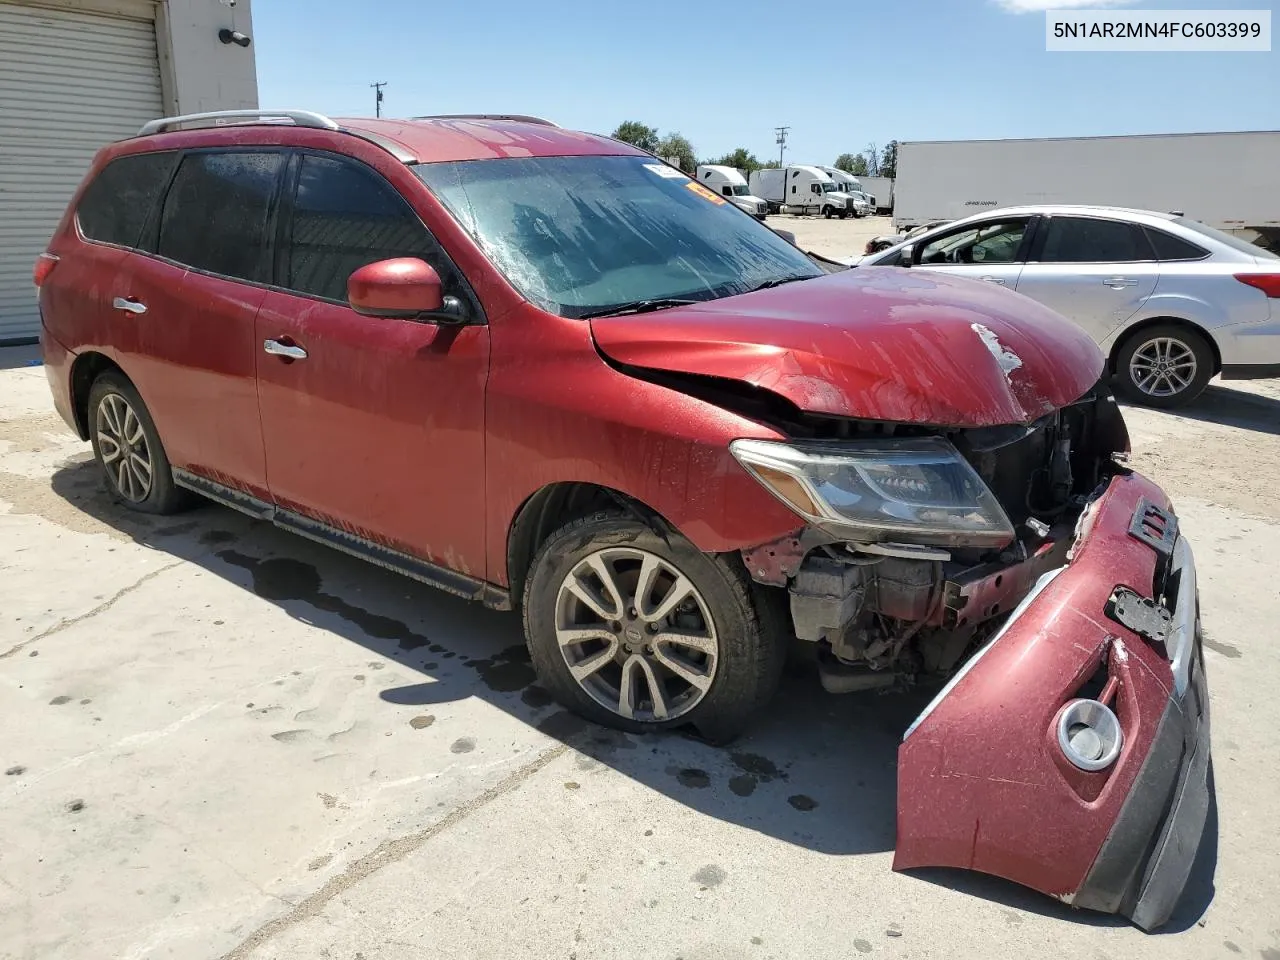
(220, 740)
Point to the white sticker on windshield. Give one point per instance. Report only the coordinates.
(667, 173)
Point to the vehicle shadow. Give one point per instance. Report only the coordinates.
(1234, 408)
(818, 771)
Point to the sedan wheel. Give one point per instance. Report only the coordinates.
(1162, 367)
(636, 635)
(1165, 365)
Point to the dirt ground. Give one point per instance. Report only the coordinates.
(221, 740)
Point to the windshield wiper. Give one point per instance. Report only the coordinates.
(638, 306)
(777, 282)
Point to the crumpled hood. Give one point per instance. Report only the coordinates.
(876, 343)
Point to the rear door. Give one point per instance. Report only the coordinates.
(378, 431)
(109, 222)
(1096, 271)
(990, 250)
(185, 307)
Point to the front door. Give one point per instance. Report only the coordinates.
(378, 431)
(992, 251)
(185, 305)
(1095, 271)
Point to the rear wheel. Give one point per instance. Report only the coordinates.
(1164, 366)
(644, 632)
(128, 449)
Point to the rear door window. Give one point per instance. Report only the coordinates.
(1094, 240)
(215, 214)
(345, 215)
(115, 207)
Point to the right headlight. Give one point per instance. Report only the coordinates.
(912, 490)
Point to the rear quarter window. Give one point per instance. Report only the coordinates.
(115, 206)
(1169, 247)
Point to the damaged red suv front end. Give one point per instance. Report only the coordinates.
(956, 460)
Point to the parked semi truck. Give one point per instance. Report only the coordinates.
(863, 204)
(800, 189)
(732, 185)
(1226, 180)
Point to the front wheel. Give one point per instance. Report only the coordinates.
(1164, 366)
(827, 212)
(644, 632)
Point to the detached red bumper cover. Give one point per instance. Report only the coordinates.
(983, 780)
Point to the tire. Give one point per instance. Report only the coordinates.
(1190, 359)
(826, 212)
(723, 613)
(124, 438)
(842, 214)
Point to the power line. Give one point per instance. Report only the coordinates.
(781, 133)
(377, 97)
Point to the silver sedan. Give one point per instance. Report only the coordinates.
(1171, 301)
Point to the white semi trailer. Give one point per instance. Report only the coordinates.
(1227, 180)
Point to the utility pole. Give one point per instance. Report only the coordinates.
(377, 97)
(781, 133)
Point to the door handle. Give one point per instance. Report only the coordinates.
(129, 306)
(288, 350)
(1119, 283)
(993, 280)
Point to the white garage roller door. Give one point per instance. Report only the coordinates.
(70, 82)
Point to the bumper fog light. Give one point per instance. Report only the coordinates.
(1089, 734)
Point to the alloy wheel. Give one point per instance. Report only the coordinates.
(1162, 367)
(122, 444)
(636, 634)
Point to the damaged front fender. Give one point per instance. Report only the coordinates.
(984, 781)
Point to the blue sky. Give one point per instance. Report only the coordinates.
(725, 74)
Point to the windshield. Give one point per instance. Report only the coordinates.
(578, 235)
(829, 188)
(740, 190)
(1235, 243)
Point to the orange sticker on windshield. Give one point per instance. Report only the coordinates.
(703, 192)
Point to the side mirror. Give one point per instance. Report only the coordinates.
(908, 255)
(786, 235)
(403, 287)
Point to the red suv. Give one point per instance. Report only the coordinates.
(547, 371)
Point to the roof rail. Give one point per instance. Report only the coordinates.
(519, 117)
(299, 118)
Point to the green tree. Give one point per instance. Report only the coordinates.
(770, 165)
(674, 146)
(889, 160)
(854, 163)
(637, 134)
(740, 159)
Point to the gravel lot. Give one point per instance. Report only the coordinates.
(220, 740)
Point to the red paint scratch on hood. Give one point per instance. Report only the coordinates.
(876, 343)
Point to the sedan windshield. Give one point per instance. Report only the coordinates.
(586, 235)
